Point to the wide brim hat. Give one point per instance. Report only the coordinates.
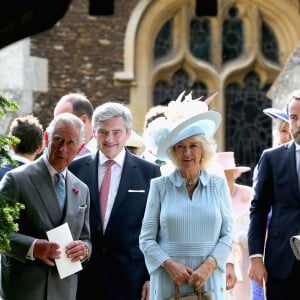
(227, 162)
(204, 123)
(135, 140)
(276, 114)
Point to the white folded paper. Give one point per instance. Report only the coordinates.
(62, 235)
(295, 244)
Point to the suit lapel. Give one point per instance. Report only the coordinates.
(72, 197)
(292, 170)
(44, 185)
(91, 180)
(125, 182)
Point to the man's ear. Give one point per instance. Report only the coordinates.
(46, 138)
(84, 118)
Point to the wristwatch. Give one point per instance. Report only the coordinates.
(87, 251)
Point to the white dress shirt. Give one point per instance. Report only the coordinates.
(116, 171)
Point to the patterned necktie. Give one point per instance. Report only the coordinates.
(60, 189)
(104, 191)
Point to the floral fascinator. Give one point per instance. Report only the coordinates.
(185, 117)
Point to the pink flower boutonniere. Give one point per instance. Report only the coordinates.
(75, 190)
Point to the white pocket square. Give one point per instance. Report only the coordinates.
(136, 191)
(295, 244)
(84, 206)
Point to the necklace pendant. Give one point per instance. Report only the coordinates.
(190, 182)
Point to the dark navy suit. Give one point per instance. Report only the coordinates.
(277, 187)
(6, 167)
(116, 270)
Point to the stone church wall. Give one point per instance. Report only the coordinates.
(83, 53)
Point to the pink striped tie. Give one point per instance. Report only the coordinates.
(104, 191)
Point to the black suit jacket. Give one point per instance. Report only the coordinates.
(117, 268)
(276, 187)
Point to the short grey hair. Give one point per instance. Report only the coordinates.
(110, 110)
(66, 118)
(209, 147)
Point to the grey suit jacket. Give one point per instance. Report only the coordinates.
(32, 185)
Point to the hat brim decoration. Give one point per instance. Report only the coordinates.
(227, 162)
(240, 169)
(275, 113)
(205, 123)
(156, 131)
(135, 140)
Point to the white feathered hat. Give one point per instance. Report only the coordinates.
(185, 117)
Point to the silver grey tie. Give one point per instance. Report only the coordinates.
(60, 189)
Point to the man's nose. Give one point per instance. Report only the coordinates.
(63, 145)
(108, 136)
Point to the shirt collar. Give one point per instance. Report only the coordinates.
(19, 158)
(51, 170)
(119, 159)
(297, 148)
(178, 180)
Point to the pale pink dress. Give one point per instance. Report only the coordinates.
(241, 197)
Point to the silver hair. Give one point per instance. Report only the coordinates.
(209, 151)
(66, 118)
(110, 110)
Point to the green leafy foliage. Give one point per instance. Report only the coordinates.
(9, 213)
(9, 208)
(6, 106)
